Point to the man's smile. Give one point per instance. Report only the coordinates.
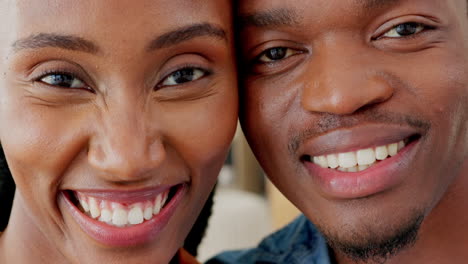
(361, 161)
(358, 160)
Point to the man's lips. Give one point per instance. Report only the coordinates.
(122, 223)
(352, 139)
(378, 178)
(366, 162)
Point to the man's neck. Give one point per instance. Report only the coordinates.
(443, 236)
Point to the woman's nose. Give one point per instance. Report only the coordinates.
(126, 146)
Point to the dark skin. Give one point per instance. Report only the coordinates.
(323, 77)
(147, 97)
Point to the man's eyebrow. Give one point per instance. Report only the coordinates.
(44, 40)
(377, 4)
(187, 33)
(270, 18)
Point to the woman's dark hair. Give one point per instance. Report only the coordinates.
(197, 232)
(7, 191)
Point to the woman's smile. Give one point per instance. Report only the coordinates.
(123, 218)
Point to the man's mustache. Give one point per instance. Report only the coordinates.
(325, 123)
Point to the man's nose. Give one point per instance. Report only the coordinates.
(342, 81)
(126, 146)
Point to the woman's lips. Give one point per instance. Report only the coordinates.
(380, 176)
(122, 213)
(123, 224)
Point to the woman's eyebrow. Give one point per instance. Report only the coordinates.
(44, 40)
(187, 33)
(75, 43)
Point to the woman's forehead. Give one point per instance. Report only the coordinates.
(113, 15)
(108, 20)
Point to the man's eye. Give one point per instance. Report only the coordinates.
(63, 80)
(183, 76)
(404, 30)
(276, 54)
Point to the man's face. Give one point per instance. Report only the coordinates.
(357, 109)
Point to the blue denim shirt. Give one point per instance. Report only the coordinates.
(298, 243)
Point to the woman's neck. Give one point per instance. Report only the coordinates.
(23, 242)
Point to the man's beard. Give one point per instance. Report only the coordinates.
(369, 245)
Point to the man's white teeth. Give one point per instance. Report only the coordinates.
(121, 215)
(365, 157)
(381, 152)
(347, 160)
(332, 161)
(358, 160)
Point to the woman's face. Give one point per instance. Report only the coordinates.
(115, 118)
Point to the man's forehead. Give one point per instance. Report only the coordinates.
(274, 13)
(271, 13)
(255, 6)
(375, 4)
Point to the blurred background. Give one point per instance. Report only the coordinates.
(247, 207)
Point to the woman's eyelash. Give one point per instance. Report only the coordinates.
(65, 79)
(54, 72)
(62, 79)
(191, 70)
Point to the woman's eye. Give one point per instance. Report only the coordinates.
(404, 30)
(183, 76)
(63, 80)
(276, 54)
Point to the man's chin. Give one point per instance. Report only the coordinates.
(374, 243)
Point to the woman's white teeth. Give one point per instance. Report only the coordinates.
(121, 215)
(358, 160)
(94, 208)
(84, 205)
(157, 204)
(106, 215)
(135, 216)
(148, 214)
